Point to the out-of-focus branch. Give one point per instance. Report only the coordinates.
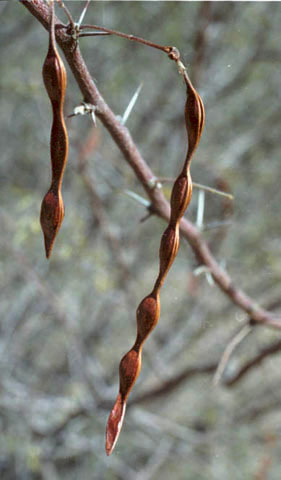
(271, 349)
(75, 345)
(239, 78)
(231, 346)
(98, 210)
(170, 385)
(200, 41)
(188, 373)
(125, 143)
(251, 414)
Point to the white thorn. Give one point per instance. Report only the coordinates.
(93, 115)
(138, 198)
(210, 279)
(82, 15)
(200, 209)
(201, 269)
(131, 105)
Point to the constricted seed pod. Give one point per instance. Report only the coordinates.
(51, 217)
(129, 370)
(54, 76)
(169, 246)
(149, 309)
(147, 316)
(194, 116)
(180, 196)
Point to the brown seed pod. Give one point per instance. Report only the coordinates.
(194, 116)
(180, 197)
(169, 246)
(149, 309)
(54, 76)
(147, 317)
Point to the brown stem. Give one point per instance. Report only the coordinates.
(134, 38)
(94, 34)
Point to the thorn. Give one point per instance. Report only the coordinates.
(206, 271)
(200, 209)
(143, 219)
(131, 105)
(210, 279)
(199, 270)
(213, 190)
(93, 115)
(138, 198)
(83, 14)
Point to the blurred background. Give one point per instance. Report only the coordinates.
(65, 323)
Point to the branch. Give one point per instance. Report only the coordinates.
(99, 213)
(168, 386)
(231, 346)
(271, 349)
(124, 141)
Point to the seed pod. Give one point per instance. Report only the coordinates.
(149, 309)
(169, 246)
(147, 317)
(51, 217)
(114, 423)
(180, 196)
(194, 116)
(129, 369)
(54, 76)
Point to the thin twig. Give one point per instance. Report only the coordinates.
(94, 34)
(67, 12)
(134, 38)
(232, 345)
(99, 213)
(271, 349)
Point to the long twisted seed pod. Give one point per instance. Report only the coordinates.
(54, 76)
(148, 310)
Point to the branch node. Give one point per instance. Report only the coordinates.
(253, 322)
(206, 271)
(85, 109)
(173, 53)
(153, 183)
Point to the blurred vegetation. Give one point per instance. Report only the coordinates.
(66, 323)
